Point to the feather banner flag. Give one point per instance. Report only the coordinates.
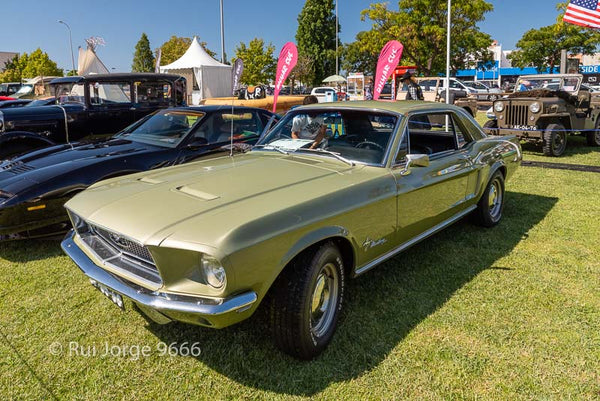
(388, 60)
(288, 57)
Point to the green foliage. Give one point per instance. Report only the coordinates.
(420, 25)
(174, 48)
(361, 55)
(541, 47)
(259, 62)
(315, 38)
(30, 66)
(143, 59)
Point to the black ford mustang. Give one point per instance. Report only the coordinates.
(34, 187)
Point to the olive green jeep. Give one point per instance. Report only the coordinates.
(545, 109)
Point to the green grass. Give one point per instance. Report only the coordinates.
(506, 313)
(577, 152)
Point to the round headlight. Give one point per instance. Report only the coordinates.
(213, 272)
(498, 106)
(534, 107)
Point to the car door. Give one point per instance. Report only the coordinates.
(430, 195)
(110, 108)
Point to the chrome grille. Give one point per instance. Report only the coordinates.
(120, 253)
(516, 114)
(124, 245)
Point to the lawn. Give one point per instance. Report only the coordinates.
(506, 313)
(577, 152)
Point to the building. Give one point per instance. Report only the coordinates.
(6, 57)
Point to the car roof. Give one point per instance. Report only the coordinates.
(400, 106)
(547, 76)
(148, 76)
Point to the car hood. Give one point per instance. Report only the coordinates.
(41, 165)
(37, 112)
(203, 201)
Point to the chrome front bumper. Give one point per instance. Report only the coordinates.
(164, 307)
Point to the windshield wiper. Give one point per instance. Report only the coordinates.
(268, 147)
(329, 152)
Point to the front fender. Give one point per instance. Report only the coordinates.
(23, 135)
(311, 238)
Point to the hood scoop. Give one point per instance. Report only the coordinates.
(149, 180)
(196, 193)
(17, 167)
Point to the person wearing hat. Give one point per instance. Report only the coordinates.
(414, 91)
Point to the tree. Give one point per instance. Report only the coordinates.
(541, 48)
(143, 59)
(259, 62)
(174, 48)
(420, 25)
(360, 55)
(303, 69)
(30, 66)
(316, 37)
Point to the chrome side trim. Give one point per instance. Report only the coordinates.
(153, 299)
(414, 240)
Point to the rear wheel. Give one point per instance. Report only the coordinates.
(593, 137)
(306, 302)
(555, 140)
(490, 206)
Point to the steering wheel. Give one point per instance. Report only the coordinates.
(369, 143)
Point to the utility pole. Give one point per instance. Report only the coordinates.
(337, 69)
(448, 55)
(222, 35)
(70, 43)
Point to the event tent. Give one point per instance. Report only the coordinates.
(90, 63)
(205, 76)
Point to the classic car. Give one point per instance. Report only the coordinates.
(89, 106)
(34, 187)
(286, 223)
(545, 109)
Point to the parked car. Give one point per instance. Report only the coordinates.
(34, 187)
(204, 243)
(9, 88)
(431, 88)
(7, 104)
(90, 106)
(323, 92)
(545, 108)
(481, 91)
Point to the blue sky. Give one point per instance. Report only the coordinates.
(28, 24)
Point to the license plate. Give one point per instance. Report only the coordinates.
(116, 298)
(526, 127)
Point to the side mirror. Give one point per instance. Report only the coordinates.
(417, 160)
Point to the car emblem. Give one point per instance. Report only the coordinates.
(117, 239)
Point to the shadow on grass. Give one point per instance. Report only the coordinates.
(24, 251)
(576, 145)
(381, 308)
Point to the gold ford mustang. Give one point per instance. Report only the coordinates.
(327, 194)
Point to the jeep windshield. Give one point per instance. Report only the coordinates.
(166, 128)
(568, 84)
(355, 136)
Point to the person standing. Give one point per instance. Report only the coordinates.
(414, 91)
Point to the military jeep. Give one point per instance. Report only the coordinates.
(547, 108)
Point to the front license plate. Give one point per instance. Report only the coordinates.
(116, 298)
(525, 127)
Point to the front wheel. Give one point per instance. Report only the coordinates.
(555, 140)
(593, 137)
(306, 302)
(490, 206)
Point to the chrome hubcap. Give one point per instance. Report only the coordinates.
(495, 199)
(324, 300)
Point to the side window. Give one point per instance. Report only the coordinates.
(107, 93)
(217, 126)
(153, 93)
(402, 149)
(435, 133)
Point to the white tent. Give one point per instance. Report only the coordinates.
(89, 63)
(206, 77)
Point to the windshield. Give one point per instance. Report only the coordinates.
(476, 85)
(25, 90)
(40, 102)
(166, 128)
(567, 84)
(355, 135)
(70, 93)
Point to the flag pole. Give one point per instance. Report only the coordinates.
(222, 36)
(448, 55)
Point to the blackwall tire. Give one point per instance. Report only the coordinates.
(306, 302)
(555, 140)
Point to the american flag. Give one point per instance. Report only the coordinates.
(583, 12)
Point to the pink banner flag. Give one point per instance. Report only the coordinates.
(287, 61)
(388, 60)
